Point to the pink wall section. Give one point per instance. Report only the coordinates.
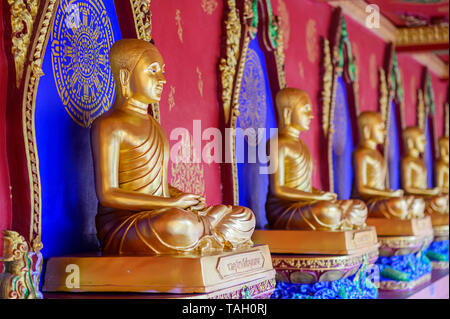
(188, 37)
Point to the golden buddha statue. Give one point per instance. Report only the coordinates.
(292, 202)
(414, 177)
(442, 165)
(371, 173)
(139, 212)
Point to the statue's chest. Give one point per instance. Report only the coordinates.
(298, 158)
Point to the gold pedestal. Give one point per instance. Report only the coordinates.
(441, 232)
(217, 275)
(440, 220)
(395, 227)
(307, 269)
(317, 242)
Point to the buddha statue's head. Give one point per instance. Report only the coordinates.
(371, 127)
(443, 148)
(414, 140)
(138, 70)
(294, 109)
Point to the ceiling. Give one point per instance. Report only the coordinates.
(418, 13)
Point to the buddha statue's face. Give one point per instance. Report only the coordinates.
(147, 80)
(378, 131)
(371, 127)
(302, 115)
(443, 149)
(415, 139)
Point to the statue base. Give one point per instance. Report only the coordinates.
(438, 251)
(225, 274)
(403, 263)
(396, 227)
(310, 269)
(317, 242)
(320, 264)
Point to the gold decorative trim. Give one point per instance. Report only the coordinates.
(420, 109)
(228, 64)
(447, 120)
(405, 242)
(404, 285)
(440, 265)
(384, 95)
(18, 280)
(327, 85)
(23, 14)
(441, 231)
(301, 262)
(425, 35)
(142, 17)
(235, 114)
(34, 72)
(280, 56)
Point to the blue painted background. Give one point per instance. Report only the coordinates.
(342, 146)
(393, 149)
(69, 203)
(428, 156)
(253, 186)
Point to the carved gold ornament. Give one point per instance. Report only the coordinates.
(420, 109)
(327, 86)
(425, 35)
(384, 95)
(28, 108)
(284, 23)
(228, 65)
(142, 18)
(23, 14)
(18, 280)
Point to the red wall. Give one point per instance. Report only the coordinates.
(191, 70)
(303, 67)
(5, 201)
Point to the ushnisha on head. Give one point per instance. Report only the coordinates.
(294, 109)
(414, 139)
(371, 127)
(138, 70)
(443, 148)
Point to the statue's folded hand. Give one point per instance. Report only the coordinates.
(185, 201)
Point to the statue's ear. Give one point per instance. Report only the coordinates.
(125, 82)
(366, 132)
(410, 143)
(287, 114)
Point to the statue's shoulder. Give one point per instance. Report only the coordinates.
(111, 121)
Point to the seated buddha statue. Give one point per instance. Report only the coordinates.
(139, 213)
(292, 202)
(371, 174)
(442, 165)
(414, 176)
